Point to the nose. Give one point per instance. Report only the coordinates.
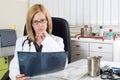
(40, 25)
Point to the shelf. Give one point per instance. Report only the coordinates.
(78, 36)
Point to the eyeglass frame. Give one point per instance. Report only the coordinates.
(41, 21)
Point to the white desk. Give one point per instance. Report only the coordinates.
(75, 71)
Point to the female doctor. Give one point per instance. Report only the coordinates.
(39, 38)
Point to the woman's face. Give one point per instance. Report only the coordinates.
(39, 23)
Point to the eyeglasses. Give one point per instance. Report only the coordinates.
(42, 21)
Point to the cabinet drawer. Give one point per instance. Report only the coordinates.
(76, 55)
(105, 56)
(79, 46)
(101, 47)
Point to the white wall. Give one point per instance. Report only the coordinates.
(13, 12)
(82, 12)
(77, 12)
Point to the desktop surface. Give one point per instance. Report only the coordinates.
(75, 71)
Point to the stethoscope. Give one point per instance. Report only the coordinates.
(29, 42)
(109, 73)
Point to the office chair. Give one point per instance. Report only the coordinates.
(61, 29)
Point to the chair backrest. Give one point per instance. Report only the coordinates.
(61, 29)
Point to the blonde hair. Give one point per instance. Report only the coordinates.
(31, 12)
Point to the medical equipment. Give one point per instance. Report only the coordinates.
(29, 42)
(8, 39)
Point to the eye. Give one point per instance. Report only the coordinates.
(36, 21)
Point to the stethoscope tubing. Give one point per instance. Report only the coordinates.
(29, 42)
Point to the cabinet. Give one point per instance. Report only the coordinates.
(83, 48)
(101, 49)
(79, 50)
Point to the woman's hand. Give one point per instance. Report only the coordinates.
(40, 37)
(22, 77)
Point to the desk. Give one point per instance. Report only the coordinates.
(75, 71)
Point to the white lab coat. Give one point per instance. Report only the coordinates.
(50, 44)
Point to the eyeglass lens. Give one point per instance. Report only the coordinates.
(42, 21)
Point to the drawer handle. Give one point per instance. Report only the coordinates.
(77, 54)
(77, 45)
(99, 47)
